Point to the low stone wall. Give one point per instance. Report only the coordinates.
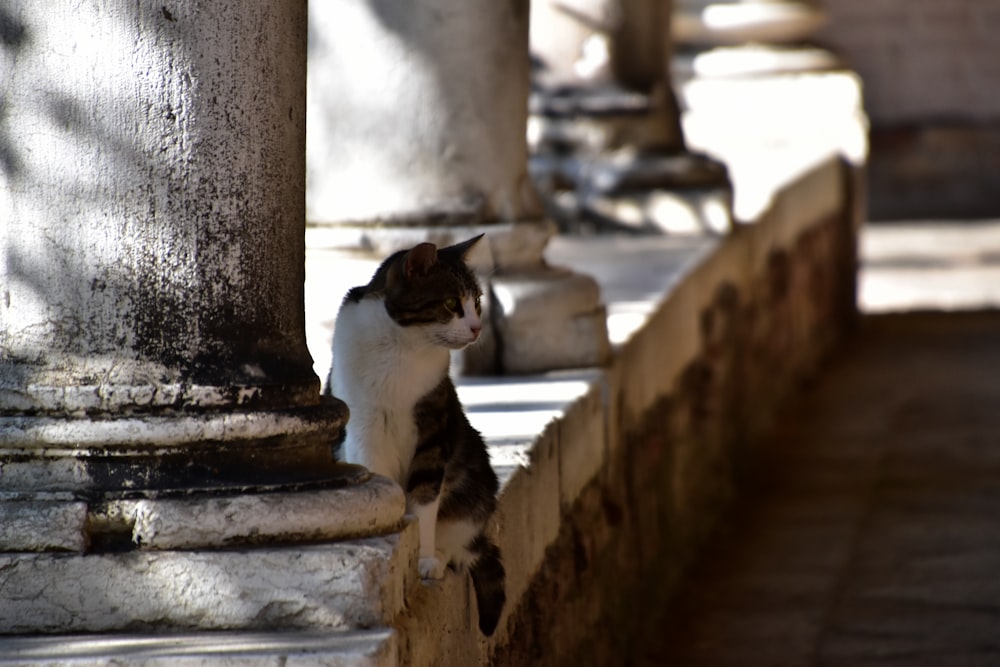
(618, 494)
(636, 528)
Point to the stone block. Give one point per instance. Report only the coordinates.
(529, 513)
(358, 583)
(583, 446)
(353, 648)
(549, 319)
(373, 508)
(441, 617)
(544, 293)
(43, 525)
(520, 245)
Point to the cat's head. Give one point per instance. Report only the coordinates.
(432, 288)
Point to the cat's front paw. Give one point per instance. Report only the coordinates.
(431, 568)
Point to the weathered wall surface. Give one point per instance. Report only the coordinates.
(930, 71)
(921, 59)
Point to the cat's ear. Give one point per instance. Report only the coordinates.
(464, 247)
(419, 260)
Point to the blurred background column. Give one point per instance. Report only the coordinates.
(753, 84)
(608, 149)
(417, 118)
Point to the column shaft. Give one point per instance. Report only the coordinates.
(151, 251)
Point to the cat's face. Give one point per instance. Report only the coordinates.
(434, 291)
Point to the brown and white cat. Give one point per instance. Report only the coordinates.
(391, 350)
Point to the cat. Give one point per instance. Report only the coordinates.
(391, 351)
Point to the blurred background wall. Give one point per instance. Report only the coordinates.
(931, 71)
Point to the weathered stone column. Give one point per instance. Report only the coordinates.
(606, 134)
(417, 120)
(154, 378)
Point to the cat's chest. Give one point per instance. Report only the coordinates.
(396, 382)
(382, 370)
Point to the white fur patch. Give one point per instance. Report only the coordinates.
(381, 370)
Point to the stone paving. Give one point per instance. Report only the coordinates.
(869, 534)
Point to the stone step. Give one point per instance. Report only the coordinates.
(342, 585)
(354, 648)
(228, 514)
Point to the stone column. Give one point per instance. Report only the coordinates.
(608, 147)
(417, 119)
(154, 376)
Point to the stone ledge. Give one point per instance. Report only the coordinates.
(205, 518)
(371, 508)
(354, 648)
(351, 584)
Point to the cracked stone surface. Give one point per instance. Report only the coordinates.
(335, 586)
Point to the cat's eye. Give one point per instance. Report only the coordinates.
(479, 304)
(451, 303)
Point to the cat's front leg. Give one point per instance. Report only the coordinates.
(431, 565)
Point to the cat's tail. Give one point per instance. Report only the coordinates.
(488, 577)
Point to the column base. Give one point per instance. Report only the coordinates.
(348, 501)
(508, 243)
(170, 452)
(333, 586)
(549, 319)
(733, 22)
(648, 192)
(597, 175)
(746, 60)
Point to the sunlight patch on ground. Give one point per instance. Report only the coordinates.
(930, 266)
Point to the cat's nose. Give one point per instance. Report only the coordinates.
(476, 330)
